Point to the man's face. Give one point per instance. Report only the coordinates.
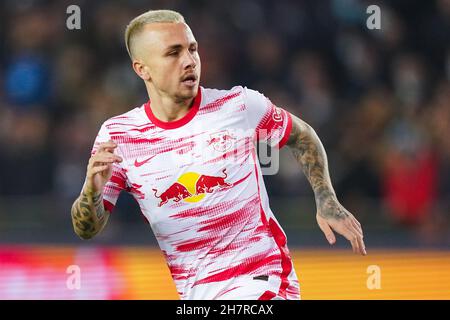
(168, 52)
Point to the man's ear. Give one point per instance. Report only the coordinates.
(141, 70)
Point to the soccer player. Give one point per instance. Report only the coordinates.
(188, 157)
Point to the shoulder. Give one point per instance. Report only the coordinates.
(210, 95)
(240, 97)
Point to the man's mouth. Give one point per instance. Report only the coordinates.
(189, 80)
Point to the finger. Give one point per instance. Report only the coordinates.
(110, 145)
(357, 225)
(110, 150)
(100, 162)
(111, 153)
(351, 236)
(359, 239)
(98, 169)
(362, 246)
(356, 237)
(353, 226)
(328, 232)
(357, 228)
(355, 243)
(105, 157)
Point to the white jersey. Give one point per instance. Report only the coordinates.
(199, 184)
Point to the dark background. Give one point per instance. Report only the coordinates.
(379, 100)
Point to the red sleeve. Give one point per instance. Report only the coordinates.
(271, 124)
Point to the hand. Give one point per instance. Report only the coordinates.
(100, 166)
(333, 216)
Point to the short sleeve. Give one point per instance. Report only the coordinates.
(271, 124)
(118, 179)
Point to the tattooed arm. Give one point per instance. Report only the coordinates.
(88, 213)
(331, 215)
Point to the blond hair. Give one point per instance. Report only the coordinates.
(153, 16)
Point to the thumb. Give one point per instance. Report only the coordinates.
(327, 231)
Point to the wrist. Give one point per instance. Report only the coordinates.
(90, 192)
(324, 197)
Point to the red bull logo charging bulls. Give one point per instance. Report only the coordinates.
(192, 187)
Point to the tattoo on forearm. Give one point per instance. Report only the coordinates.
(310, 154)
(88, 215)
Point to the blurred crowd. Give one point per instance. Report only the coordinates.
(378, 99)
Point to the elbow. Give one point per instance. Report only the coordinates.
(85, 236)
(86, 224)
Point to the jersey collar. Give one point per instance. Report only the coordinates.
(177, 123)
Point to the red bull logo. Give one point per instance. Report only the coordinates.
(192, 187)
(176, 192)
(222, 140)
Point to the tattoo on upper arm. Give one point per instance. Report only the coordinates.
(310, 153)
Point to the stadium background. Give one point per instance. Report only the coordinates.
(379, 100)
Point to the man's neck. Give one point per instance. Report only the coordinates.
(166, 108)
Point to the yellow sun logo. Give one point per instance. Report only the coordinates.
(189, 180)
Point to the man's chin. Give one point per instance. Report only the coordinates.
(188, 92)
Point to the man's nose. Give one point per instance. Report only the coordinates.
(189, 60)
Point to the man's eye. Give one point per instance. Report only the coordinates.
(174, 53)
(193, 49)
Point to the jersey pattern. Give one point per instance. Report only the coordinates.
(199, 184)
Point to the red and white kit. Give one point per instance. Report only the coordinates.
(199, 184)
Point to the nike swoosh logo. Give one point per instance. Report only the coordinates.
(140, 163)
